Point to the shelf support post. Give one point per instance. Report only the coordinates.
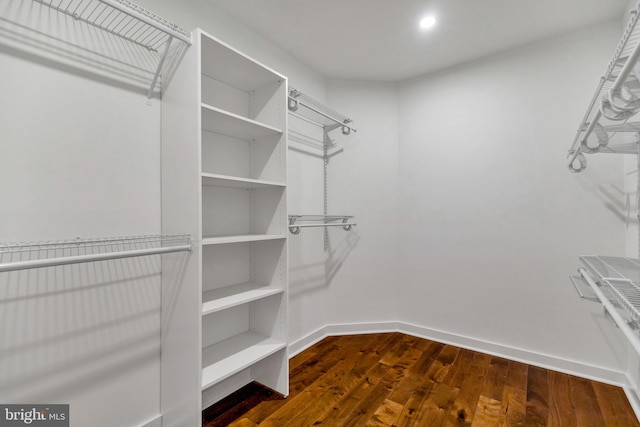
(159, 69)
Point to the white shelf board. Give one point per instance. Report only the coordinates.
(215, 180)
(230, 124)
(232, 355)
(231, 296)
(239, 70)
(241, 238)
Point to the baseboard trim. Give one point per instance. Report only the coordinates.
(554, 363)
(307, 341)
(633, 398)
(154, 422)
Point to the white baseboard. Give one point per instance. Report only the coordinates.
(307, 341)
(154, 422)
(554, 363)
(634, 399)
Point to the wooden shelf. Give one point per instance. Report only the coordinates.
(230, 124)
(230, 296)
(232, 355)
(241, 238)
(239, 70)
(216, 180)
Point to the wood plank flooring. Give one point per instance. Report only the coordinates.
(399, 380)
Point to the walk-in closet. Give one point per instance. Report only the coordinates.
(338, 213)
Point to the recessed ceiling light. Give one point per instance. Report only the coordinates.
(427, 22)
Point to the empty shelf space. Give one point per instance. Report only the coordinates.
(239, 71)
(241, 238)
(230, 296)
(232, 355)
(230, 124)
(215, 180)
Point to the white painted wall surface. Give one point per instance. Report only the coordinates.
(365, 286)
(80, 157)
(309, 304)
(491, 220)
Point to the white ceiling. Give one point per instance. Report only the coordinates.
(380, 39)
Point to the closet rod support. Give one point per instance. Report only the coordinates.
(160, 64)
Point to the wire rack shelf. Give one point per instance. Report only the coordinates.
(150, 37)
(317, 112)
(26, 255)
(610, 124)
(616, 285)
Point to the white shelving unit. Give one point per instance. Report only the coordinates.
(240, 238)
(224, 178)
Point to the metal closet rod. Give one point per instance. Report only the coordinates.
(326, 221)
(79, 243)
(297, 98)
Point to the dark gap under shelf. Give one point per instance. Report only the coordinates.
(232, 407)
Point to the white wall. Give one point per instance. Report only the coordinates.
(355, 281)
(491, 220)
(363, 181)
(80, 157)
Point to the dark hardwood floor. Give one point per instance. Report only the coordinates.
(399, 380)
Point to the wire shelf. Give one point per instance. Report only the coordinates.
(123, 19)
(297, 222)
(620, 296)
(25, 255)
(128, 42)
(317, 112)
(608, 125)
(619, 279)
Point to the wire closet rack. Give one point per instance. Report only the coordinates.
(130, 34)
(611, 123)
(27, 255)
(318, 112)
(615, 283)
(329, 120)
